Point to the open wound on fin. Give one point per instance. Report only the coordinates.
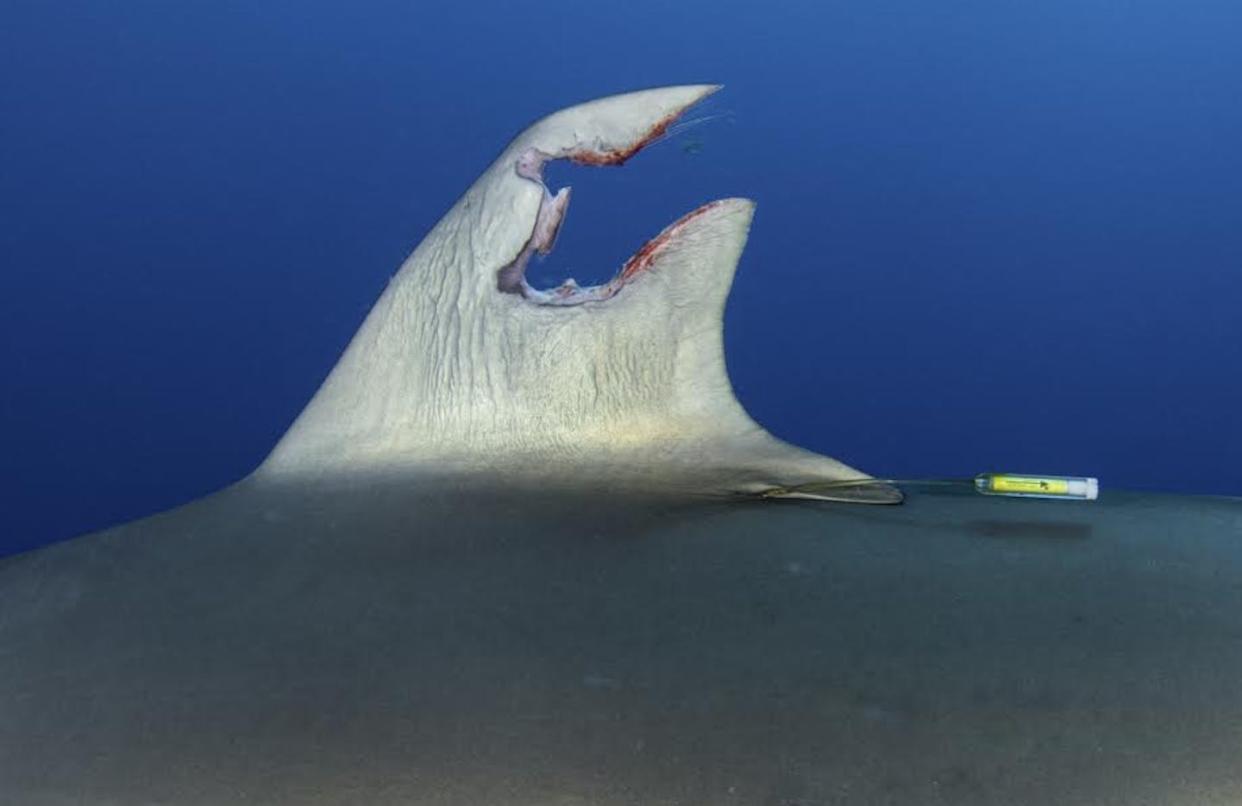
(552, 208)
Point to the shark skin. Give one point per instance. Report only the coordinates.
(450, 584)
(462, 367)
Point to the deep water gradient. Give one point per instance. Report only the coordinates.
(990, 235)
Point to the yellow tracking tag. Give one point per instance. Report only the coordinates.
(1020, 484)
(1084, 488)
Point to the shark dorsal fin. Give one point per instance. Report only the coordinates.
(462, 367)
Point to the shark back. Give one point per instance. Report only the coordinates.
(313, 643)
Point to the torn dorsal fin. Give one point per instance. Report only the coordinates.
(451, 373)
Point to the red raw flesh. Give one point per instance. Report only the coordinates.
(618, 156)
(642, 259)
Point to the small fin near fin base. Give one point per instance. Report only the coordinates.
(848, 491)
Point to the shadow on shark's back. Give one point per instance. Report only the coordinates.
(414, 641)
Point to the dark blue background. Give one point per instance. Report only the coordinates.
(991, 235)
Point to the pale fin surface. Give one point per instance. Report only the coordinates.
(461, 367)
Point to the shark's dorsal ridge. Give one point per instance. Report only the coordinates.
(462, 367)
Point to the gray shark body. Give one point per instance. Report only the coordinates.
(452, 584)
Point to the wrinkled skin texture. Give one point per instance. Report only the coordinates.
(456, 367)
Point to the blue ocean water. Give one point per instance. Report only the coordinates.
(990, 235)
